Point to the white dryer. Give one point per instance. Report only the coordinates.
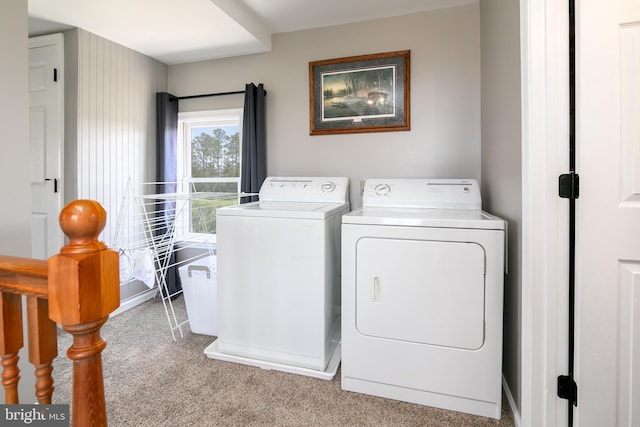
(422, 295)
(279, 277)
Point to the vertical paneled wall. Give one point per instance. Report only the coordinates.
(113, 137)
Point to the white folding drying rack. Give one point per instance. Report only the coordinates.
(156, 225)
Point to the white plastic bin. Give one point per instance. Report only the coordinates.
(200, 288)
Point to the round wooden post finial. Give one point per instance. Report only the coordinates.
(83, 221)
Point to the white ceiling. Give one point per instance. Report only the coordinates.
(177, 31)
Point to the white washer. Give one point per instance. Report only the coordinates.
(279, 277)
(422, 289)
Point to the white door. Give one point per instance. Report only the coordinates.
(608, 213)
(46, 135)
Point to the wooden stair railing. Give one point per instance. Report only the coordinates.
(77, 288)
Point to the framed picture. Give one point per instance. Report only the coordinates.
(366, 93)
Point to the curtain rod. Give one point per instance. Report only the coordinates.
(237, 92)
(211, 94)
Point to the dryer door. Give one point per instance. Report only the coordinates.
(421, 291)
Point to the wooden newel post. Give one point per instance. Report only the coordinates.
(84, 288)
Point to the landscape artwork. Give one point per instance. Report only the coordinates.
(366, 93)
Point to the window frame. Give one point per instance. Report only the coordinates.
(186, 122)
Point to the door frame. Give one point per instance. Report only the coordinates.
(544, 33)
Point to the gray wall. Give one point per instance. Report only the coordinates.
(444, 140)
(15, 220)
(502, 160)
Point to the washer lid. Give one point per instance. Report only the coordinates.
(416, 217)
(285, 210)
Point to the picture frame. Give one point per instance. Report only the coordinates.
(356, 94)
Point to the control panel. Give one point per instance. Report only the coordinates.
(422, 193)
(305, 189)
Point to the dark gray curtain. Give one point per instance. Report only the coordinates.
(254, 158)
(166, 173)
(167, 141)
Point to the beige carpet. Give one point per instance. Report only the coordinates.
(150, 380)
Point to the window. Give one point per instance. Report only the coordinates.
(208, 161)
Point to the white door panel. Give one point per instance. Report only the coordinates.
(38, 129)
(629, 345)
(630, 113)
(46, 139)
(608, 215)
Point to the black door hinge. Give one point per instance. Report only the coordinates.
(569, 186)
(55, 74)
(568, 389)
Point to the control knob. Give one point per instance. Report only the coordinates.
(382, 189)
(328, 186)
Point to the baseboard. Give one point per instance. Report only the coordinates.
(136, 300)
(512, 403)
